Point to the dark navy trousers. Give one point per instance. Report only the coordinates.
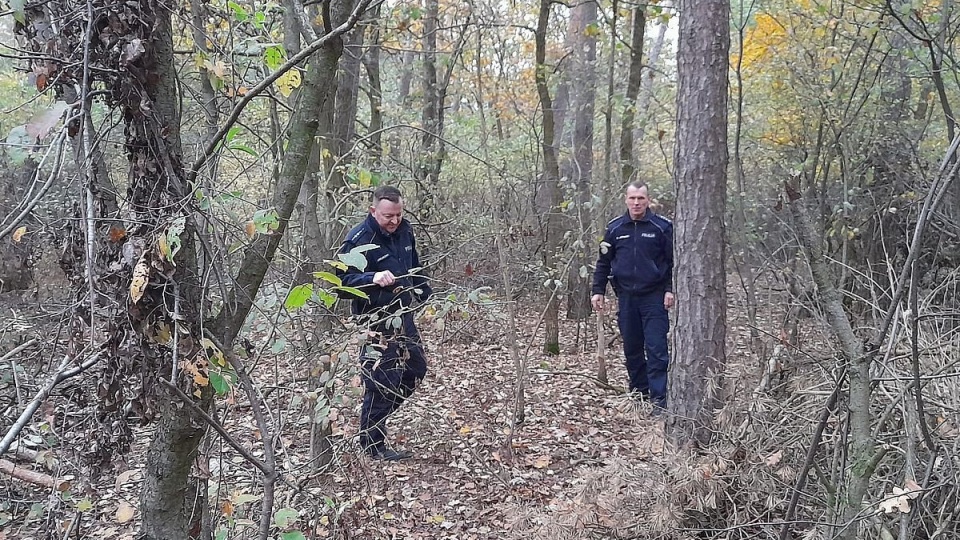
(644, 324)
(389, 378)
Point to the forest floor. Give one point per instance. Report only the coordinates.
(586, 461)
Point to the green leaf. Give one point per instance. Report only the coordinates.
(18, 12)
(354, 291)
(298, 296)
(221, 381)
(245, 149)
(328, 277)
(232, 134)
(292, 535)
(356, 260)
(239, 12)
(266, 221)
(173, 236)
(84, 504)
(328, 299)
(274, 57)
(222, 533)
(285, 517)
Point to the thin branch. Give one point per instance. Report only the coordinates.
(17, 349)
(809, 460)
(63, 373)
(265, 83)
(270, 477)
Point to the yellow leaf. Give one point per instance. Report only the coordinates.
(125, 512)
(436, 518)
(164, 246)
(18, 234)
(388, 516)
(465, 429)
(365, 178)
(288, 82)
(141, 276)
(163, 333)
(200, 380)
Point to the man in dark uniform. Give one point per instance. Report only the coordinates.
(636, 257)
(394, 363)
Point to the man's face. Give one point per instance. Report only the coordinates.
(637, 201)
(388, 214)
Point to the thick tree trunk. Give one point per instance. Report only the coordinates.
(700, 178)
(171, 504)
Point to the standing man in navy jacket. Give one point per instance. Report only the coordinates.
(636, 257)
(392, 367)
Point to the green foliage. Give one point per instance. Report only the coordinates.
(298, 296)
(285, 517)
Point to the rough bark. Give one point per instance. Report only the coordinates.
(371, 62)
(627, 161)
(553, 230)
(585, 73)
(700, 178)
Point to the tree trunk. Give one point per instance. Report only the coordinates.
(627, 162)
(862, 457)
(700, 178)
(371, 62)
(584, 83)
(553, 230)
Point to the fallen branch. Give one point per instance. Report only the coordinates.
(33, 477)
(17, 349)
(63, 373)
(597, 381)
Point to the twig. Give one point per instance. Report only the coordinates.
(62, 374)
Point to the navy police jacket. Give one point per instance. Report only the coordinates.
(636, 256)
(395, 252)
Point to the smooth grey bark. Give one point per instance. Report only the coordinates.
(699, 234)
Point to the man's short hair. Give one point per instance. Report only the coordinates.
(389, 193)
(637, 184)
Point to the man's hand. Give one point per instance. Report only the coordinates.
(668, 300)
(597, 301)
(384, 279)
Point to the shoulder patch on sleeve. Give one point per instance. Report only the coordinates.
(664, 219)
